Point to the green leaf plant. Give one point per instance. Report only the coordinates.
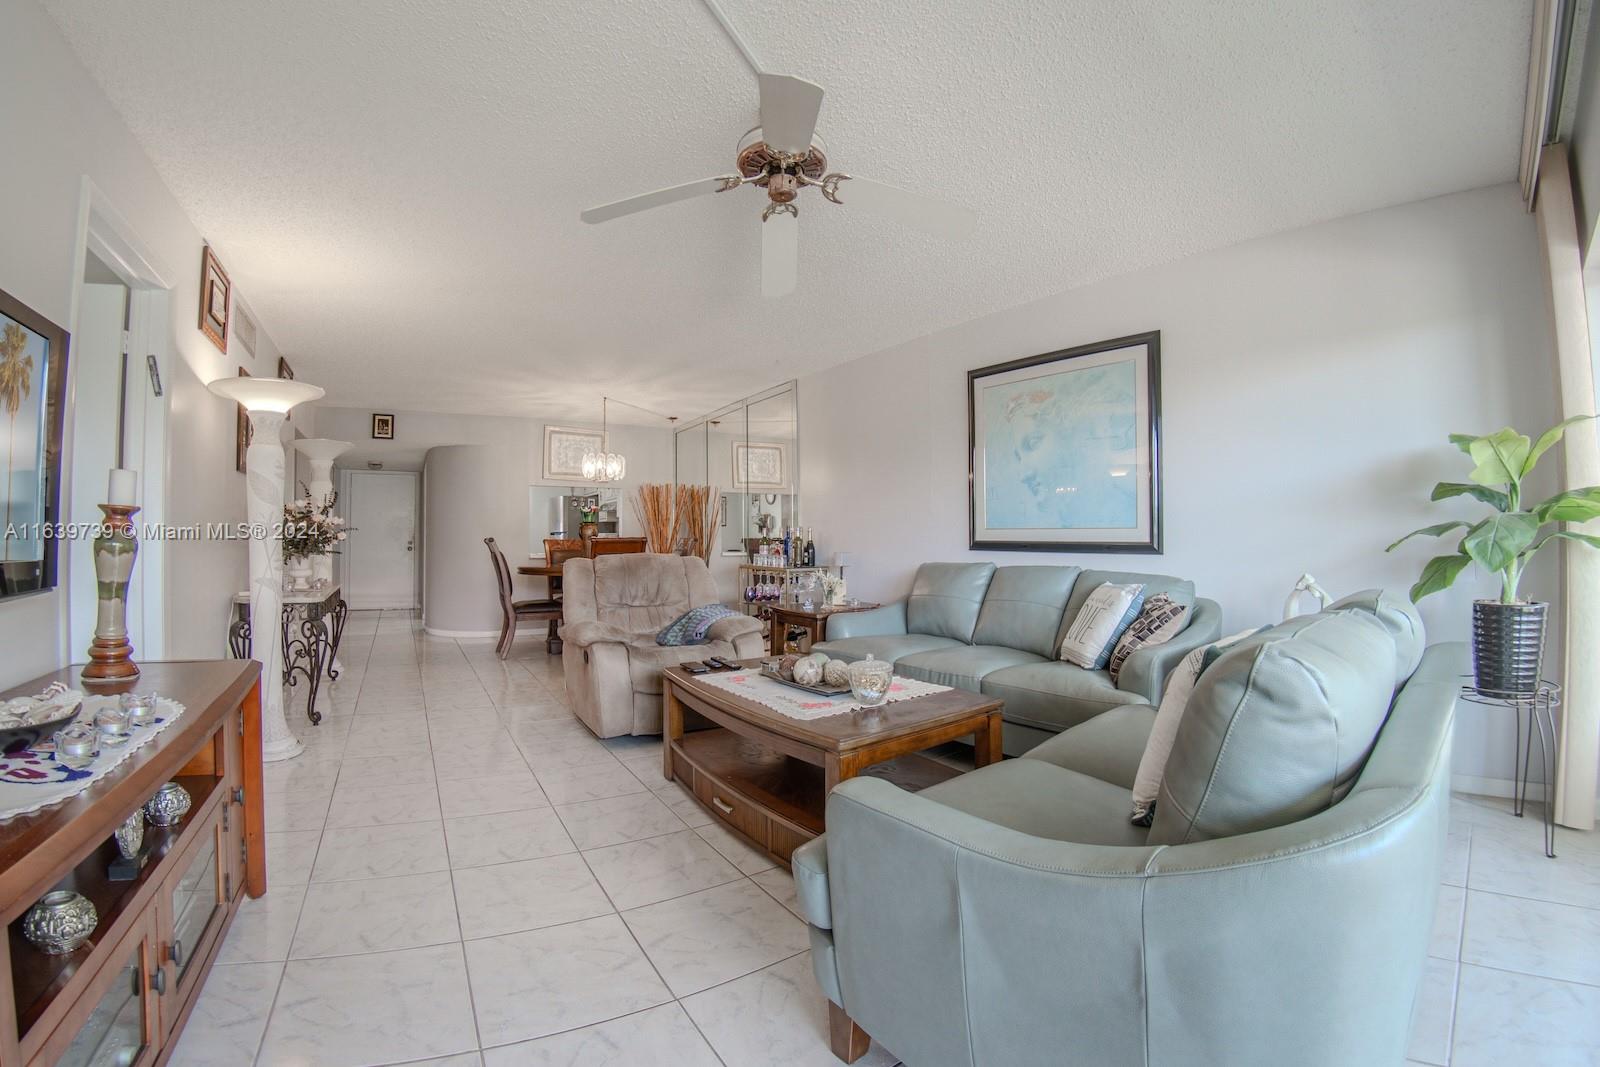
(1504, 542)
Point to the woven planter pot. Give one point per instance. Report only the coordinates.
(1507, 647)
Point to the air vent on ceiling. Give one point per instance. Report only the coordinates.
(373, 466)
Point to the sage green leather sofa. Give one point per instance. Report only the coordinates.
(995, 630)
(1276, 912)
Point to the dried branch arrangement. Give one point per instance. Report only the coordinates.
(699, 508)
(653, 504)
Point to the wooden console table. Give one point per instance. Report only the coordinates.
(124, 996)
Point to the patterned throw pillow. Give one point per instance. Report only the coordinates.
(1159, 622)
(1105, 614)
(690, 627)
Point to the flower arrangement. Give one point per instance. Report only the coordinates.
(311, 529)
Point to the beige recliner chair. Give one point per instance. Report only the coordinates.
(613, 608)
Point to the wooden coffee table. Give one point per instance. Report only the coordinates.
(767, 776)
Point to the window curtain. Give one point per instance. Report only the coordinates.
(1578, 750)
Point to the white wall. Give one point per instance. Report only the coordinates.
(464, 493)
(1308, 384)
(514, 449)
(65, 129)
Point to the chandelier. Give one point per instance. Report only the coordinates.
(601, 465)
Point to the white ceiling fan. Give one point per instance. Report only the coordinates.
(784, 156)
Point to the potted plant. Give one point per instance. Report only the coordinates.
(588, 517)
(309, 529)
(1508, 633)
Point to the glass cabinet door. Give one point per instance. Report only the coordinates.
(193, 903)
(118, 1031)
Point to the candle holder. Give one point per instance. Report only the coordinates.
(111, 653)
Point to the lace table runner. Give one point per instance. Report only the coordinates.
(32, 778)
(797, 703)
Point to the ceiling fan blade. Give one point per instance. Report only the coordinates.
(670, 195)
(789, 108)
(935, 216)
(780, 254)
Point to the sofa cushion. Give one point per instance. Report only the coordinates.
(889, 647)
(1023, 608)
(1399, 616)
(963, 666)
(945, 599)
(646, 659)
(1277, 729)
(1039, 798)
(641, 591)
(1164, 731)
(1181, 590)
(1052, 695)
(1106, 747)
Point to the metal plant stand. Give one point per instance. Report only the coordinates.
(313, 624)
(1538, 708)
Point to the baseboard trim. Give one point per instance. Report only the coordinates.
(434, 632)
(1495, 787)
(1492, 787)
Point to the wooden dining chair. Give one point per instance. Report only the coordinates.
(615, 546)
(513, 612)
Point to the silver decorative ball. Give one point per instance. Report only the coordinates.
(837, 672)
(168, 806)
(60, 922)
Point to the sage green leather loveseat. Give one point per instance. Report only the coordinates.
(1276, 912)
(995, 630)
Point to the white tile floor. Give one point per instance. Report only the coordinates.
(462, 875)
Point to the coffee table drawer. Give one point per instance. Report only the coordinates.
(731, 807)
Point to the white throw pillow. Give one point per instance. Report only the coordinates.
(1164, 731)
(1106, 612)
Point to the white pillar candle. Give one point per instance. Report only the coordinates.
(123, 488)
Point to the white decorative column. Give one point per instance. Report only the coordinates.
(267, 400)
(320, 452)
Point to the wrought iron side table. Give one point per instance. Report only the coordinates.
(1538, 708)
(313, 623)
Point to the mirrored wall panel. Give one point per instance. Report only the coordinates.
(749, 451)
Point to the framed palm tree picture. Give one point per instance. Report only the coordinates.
(33, 379)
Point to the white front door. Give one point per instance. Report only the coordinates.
(381, 553)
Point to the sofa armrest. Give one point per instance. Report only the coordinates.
(809, 864)
(889, 619)
(592, 632)
(1145, 672)
(732, 627)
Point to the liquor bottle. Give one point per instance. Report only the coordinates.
(811, 549)
(788, 546)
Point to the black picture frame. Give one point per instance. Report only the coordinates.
(1149, 538)
(29, 576)
(382, 427)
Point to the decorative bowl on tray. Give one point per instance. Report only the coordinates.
(25, 721)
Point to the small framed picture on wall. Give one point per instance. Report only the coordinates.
(383, 427)
(216, 297)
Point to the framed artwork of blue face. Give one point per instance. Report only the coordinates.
(1064, 449)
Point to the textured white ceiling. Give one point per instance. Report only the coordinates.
(395, 186)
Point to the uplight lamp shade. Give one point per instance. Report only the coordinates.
(265, 394)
